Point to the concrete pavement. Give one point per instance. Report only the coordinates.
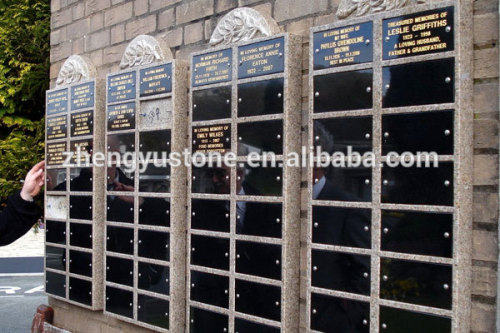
(21, 282)
(19, 298)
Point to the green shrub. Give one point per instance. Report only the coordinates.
(24, 77)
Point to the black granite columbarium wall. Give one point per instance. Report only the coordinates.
(239, 216)
(73, 195)
(381, 235)
(144, 210)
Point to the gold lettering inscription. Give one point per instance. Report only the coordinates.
(83, 146)
(56, 128)
(341, 45)
(211, 138)
(151, 81)
(56, 99)
(81, 123)
(121, 86)
(214, 67)
(121, 116)
(81, 96)
(418, 34)
(257, 59)
(55, 153)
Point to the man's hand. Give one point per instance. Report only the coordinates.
(122, 187)
(33, 182)
(126, 188)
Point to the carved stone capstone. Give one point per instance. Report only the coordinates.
(144, 50)
(242, 24)
(75, 69)
(364, 7)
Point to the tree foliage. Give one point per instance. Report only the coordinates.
(19, 152)
(24, 77)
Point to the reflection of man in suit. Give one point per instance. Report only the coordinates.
(53, 180)
(341, 227)
(250, 216)
(214, 214)
(80, 208)
(120, 209)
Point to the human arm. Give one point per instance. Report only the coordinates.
(21, 213)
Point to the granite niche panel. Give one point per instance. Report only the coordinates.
(145, 196)
(74, 197)
(382, 251)
(244, 99)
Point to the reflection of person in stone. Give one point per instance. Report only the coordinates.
(120, 209)
(343, 227)
(221, 182)
(21, 212)
(52, 181)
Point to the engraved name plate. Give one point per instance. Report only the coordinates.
(121, 87)
(121, 116)
(211, 67)
(261, 58)
(343, 46)
(82, 123)
(82, 96)
(420, 33)
(156, 80)
(213, 138)
(55, 153)
(56, 128)
(85, 148)
(57, 101)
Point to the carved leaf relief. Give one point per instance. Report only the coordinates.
(364, 7)
(242, 24)
(75, 69)
(143, 50)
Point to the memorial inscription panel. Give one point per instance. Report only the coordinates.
(82, 123)
(348, 45)
(145, 123)
(212, 138)
(56, 128)
(210, 68)
(74, 211)
(56, 153)
(238, 213)
(82, 96)
(57, 101)
(261, 58)
(121, 87)
(383, 230)
(156, 80)
(121, 116)
(418, 33)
